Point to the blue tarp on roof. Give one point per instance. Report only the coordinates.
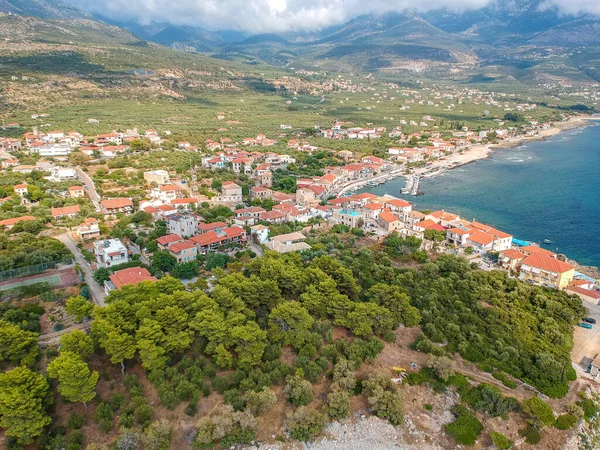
(581, 276)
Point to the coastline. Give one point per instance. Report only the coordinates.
(481, 151)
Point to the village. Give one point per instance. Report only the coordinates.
(255, 206)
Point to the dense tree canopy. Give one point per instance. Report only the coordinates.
(24, 397)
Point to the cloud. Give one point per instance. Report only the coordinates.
(260, 16)
(574, 7)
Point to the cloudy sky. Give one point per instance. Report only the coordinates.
(259, 16)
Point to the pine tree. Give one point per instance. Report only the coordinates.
(24, 396)
(76, 382)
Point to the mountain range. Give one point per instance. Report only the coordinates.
(506, 40)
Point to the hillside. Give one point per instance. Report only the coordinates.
(45, 9)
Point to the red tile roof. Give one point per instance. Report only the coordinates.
(76, 188)
(14, 220)
(170, 187)
(513, 253)
(65, 211)
(272, 215)
(398, 203)
(132, 275)
(586, 292)
(374, 206)
(213, 238)
(211, 226)
(443, 215)
(168, 239)
(537, 250)
(180, 246)
(481, 237)
(114, 203)
(388, 217)
(548, 263)
(430, 225)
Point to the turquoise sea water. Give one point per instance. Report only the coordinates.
(542, 190)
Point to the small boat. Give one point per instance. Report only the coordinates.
(547, 241)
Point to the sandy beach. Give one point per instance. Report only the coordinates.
(477, 152)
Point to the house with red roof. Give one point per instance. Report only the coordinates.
(215, 240)
(129, 276)
(183, 251)
(88, 229)
(389, 221)
(442, 217)
(206, 227)
(167, 193)
(7, 224)
(372, 210)
(273, 216)
(65, 211)
(164, 242)
(546, 270)
(398, 206)
(260, 192)
(113, 206)
(510, 259)
(587, 295)
(428, 224)
(76, 192)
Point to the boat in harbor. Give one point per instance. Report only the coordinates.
(547, 241)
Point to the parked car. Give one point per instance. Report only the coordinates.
(589, 320)
(585, 325)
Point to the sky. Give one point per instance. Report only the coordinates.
(263, 16)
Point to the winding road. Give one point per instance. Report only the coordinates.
(91, 188)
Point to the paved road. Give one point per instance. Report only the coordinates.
(96, 290)
(136, 251)
(91, 188)
(256, 248)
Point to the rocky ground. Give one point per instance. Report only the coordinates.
(361, 433)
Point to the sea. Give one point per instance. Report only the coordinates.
(541, 190)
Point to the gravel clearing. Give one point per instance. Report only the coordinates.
(361, 433)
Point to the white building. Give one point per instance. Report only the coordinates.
(261, 232)
(110, 252)
(52, 150)
(185, 225)
(160, 177)
(63, 174)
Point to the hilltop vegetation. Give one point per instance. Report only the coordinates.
(279, 329)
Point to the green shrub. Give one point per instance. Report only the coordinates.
(76, 437)
(126, 420)
(143, 415)
(500, 440)
(428, 407)
(490, 399)
(539, 410)
(298, 391)
(590, 409)
(565, 422)
(76, 421)
(115, 401)
(305, 423)
(466, 428)
(220, 384)
(531, 434)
